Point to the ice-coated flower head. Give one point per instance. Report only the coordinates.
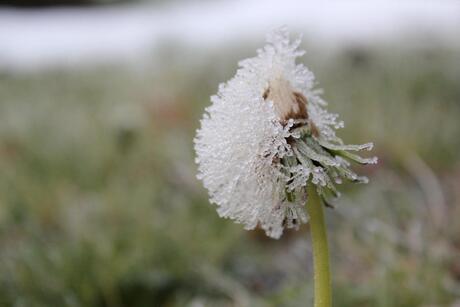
(266, 136)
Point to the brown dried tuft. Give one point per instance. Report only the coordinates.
(289, 104)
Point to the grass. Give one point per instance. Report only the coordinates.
(99, 205)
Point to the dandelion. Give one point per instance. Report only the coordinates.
(266, 136)
(267, 144)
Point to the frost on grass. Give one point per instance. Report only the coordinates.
(266, 136)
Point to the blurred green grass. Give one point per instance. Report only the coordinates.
(99, 205)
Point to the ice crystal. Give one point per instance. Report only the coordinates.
(266, 136)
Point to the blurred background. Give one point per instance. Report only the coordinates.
(99, 103)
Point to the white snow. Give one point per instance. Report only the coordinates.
(30, 39)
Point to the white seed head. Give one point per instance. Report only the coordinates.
(265, 136)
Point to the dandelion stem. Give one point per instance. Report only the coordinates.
(320, 250)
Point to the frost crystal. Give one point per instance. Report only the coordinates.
(266, 136)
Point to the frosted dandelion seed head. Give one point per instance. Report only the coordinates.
(266, 136)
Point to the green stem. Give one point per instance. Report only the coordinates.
(320, 250)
